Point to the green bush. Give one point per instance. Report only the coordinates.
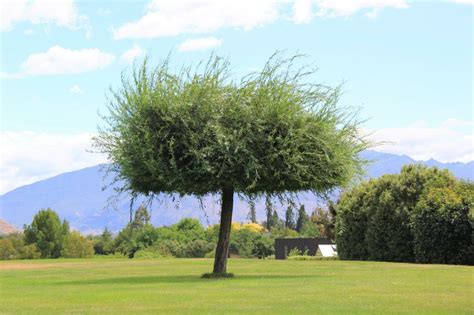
(351, 224)
(7, 250)
(243, 242)
(197, 249)
(151, 252)
(442, 229)
(77, 246)
(376, 220)
(30, 252)
(263, 247)
(170, 248)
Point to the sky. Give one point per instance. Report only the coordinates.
(406, 65)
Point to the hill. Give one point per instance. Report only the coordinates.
(80, 198)
(6, 228)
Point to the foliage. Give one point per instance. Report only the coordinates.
(104, 245)
(269, 212)
(149, 252)
(170, 248)
(189, 229)
(47, 233)
(197, 249)
(442, 229)
(141, 218)
(284, 232)
(302, 218)
(196, 131)
(136, 235)
(253, 227)
(7, 250)
(296, 252)
(30, 252)
(324, 220)
(252, 215)
(375, 219)
(263, 247)
(290, 217)
(310, 229)
(77, 246)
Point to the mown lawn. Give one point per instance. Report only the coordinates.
(123, 286)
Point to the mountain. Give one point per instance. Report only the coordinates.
(6, 228)
(80, 198)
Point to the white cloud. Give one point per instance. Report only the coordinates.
(471, 2)
(452, 141)
(58, 60)
(63, 13)
(302, 12)
(199, 44)
(27, 157)
(166, 18)
(171, 18)
(130, 55)
(349, 7)
(75, 89)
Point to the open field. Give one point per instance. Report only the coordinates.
(260, 286)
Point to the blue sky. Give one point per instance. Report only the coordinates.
(406, 64)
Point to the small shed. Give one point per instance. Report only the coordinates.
(284, 245)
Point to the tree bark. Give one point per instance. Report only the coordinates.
(222, 249)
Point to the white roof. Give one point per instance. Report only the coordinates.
(328, 250)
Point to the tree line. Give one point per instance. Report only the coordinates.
(48, 237)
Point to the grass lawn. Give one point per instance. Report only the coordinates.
(122, 286)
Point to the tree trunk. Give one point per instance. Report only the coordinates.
(222, 249)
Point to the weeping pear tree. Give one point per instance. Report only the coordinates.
(197, 131)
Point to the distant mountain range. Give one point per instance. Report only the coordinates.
(79, 197)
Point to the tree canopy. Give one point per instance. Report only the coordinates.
(196, 131)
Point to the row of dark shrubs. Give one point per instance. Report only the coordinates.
(420, 215)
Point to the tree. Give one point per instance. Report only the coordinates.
(289, 217)
(302, 218)
(77, 246)
(252, 215)
(323, 221)
(141, 218)
(104, 244)
(198, 132)
(47, 232)
(269, 212)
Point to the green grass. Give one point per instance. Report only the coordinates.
(122, 286)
